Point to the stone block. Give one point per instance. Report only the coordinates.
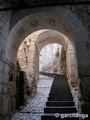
(6, 68)
(11, 55)
(71, 53)
(69, 16)
(5, 118)
(73, 81)
(82, 36)
(0, 100)
(9, 107)
(77, 26)
(1, 89)
(0, 111)
(60, 11)
(6, 89)
(5, 77)
(5, 104)
(0, 77)
(31, 65)
(72, 70)
(1, 66)
(32, 50)
(72, 62)
(13, 104)
(32, 44)
(85, 108)
(84, 84)
(31, 59)
(26, 26)
(12, 87)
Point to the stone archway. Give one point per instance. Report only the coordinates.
(68, 25)
(59, 19)
(51, 36)
(30, 49)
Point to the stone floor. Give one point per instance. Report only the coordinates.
(35, 106)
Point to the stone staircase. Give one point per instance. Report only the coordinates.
(60, 100)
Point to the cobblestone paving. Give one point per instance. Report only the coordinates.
(35, 106)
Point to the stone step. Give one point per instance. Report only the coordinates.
(64, 84)
(60, 83)
(60, 109)
(60, 94)
(60, 103)
(60, 80)
(60, 90)
(62, 98)
(56, 117)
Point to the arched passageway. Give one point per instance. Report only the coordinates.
(32, 51)
(63, 23)
(46, 41)
(49, 58)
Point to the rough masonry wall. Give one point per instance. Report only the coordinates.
(4, 28)
(70, 61)
(29, 62)
(7, 89)
(4, 3)
(83, 13)
(33, 67)
(63, 62)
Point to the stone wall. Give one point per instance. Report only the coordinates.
(83, 13)
(70, 58)
(8, 95)
(4, 28)
(29, 62)
(4, 3)
(21, 88)
(63, 62)
(7, 89)
(67, 64)
(84, 96)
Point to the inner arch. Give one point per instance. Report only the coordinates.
(51, 36)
